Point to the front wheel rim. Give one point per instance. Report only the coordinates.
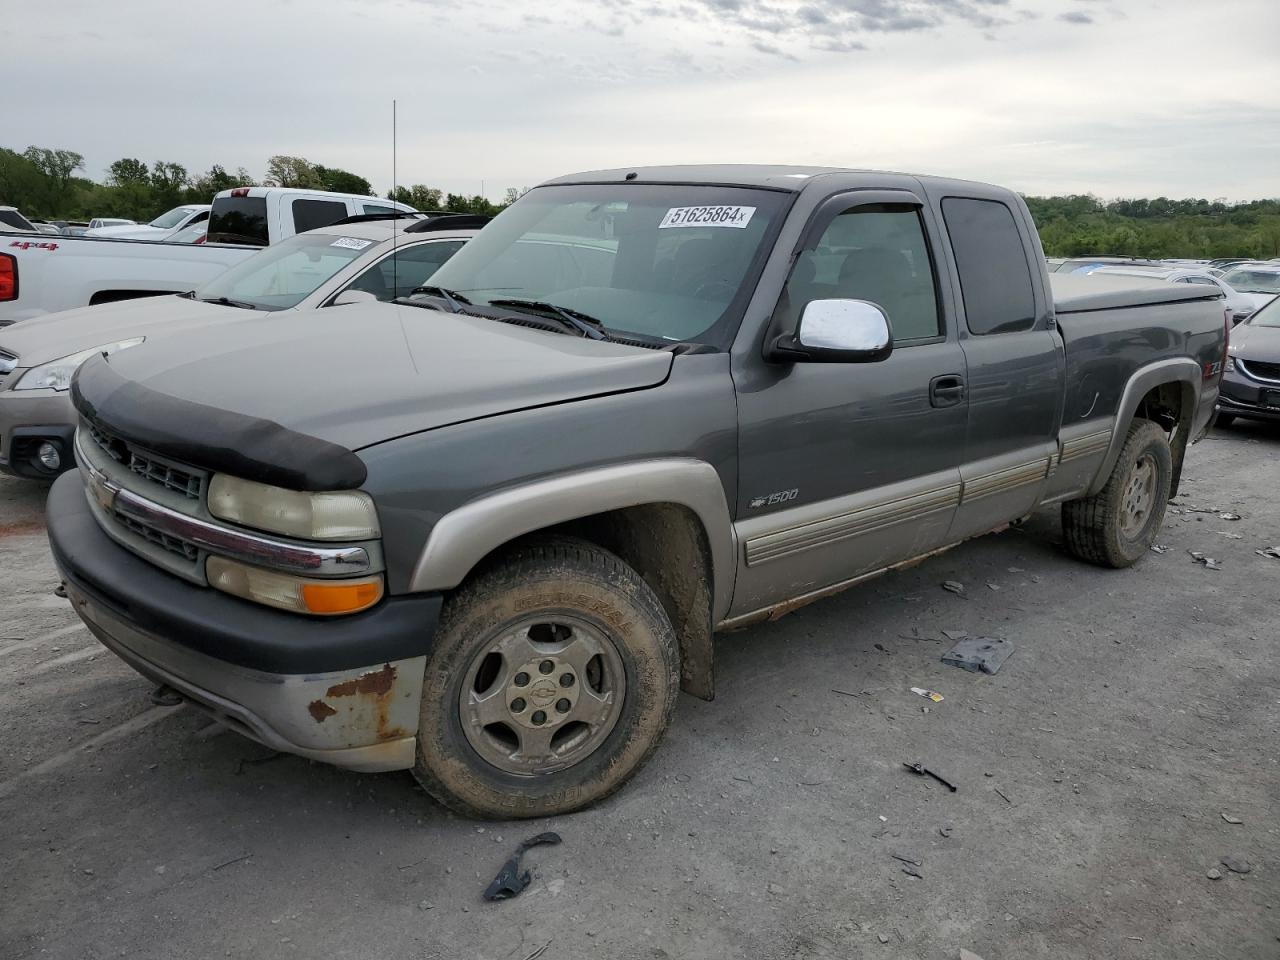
(1139, 498)
(542, 694)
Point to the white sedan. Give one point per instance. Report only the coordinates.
(161, 227)
(1259, 281)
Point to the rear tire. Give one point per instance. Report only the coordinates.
(567, 616)
(1117, 526)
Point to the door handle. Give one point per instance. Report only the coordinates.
(947, 390)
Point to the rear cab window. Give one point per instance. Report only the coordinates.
(995, 275)
(311, 214)
(239, 220)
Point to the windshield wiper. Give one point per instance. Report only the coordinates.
(228, 302)
(451, 297)
(584, 323)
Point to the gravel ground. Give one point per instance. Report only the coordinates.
(1096, 772)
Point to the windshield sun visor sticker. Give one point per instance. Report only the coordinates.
(721, 216)
(351, 243)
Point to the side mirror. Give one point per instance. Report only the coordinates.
(351, 295)
(837, 331)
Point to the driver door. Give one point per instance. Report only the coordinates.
(846, 468)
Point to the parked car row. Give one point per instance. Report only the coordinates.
(1246, 284)
(46, 276)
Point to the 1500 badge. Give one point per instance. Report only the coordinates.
(773, 499)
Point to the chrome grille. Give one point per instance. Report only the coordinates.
(182, 548)
(186, 482)
(1259, 370)
(183, 482)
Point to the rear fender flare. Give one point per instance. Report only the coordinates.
(1182, 370)
(466, 535)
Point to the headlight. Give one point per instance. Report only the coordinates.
(327, 515)
(56, 374)
(300, 595)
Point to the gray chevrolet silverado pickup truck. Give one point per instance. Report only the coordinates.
(487, 532)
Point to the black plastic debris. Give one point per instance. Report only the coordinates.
(979, 654)
(510, 881)
(920, 770)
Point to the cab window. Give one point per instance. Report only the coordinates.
(876, 253)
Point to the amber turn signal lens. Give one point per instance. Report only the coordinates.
(340, 597)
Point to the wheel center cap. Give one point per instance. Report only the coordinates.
(543, 692)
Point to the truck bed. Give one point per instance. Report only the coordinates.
(1083, 293)
(1112, 327)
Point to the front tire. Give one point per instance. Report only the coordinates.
(1117, 526)
(553, 677)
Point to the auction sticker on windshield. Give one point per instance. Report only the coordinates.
(351, 243)
(707, 217)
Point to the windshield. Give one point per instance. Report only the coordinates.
(1268, 315)
(171, 219)
(1253, 281)
(281, 276)
(667, 262)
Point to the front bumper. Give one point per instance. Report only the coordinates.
(28, 418)
(1243, 396)
(344, 690)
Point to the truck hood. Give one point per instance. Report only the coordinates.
(1252, 342)
(364, 373)
(55, 335)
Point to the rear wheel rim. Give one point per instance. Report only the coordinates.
(542, 694)
(1139, 497)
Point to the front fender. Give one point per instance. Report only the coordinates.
(467, 534)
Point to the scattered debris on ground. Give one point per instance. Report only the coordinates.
(953, 586)
(1272, 552)
(1230, 819)
(1159, 548)
(920, 770)
(1208, 562)
(927, 694)
(979, 654)
(1236, 864)
(1214, 873)
(510, 881)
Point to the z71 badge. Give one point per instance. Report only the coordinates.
(773, 499)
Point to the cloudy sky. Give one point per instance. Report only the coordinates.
(1113, 97)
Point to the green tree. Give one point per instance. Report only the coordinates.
(342, 181)
(128, 170)
(285, 171)
(21, 182)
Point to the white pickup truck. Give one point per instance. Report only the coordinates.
(41, 275)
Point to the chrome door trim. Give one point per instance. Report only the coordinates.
(842, 518)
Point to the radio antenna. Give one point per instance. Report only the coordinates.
(395, 192)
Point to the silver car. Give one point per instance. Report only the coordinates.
(376, 258)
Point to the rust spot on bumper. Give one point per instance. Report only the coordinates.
(320, 710)
(373, 688)
(378, 683)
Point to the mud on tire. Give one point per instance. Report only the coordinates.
(540, 600)
(1117, 526)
